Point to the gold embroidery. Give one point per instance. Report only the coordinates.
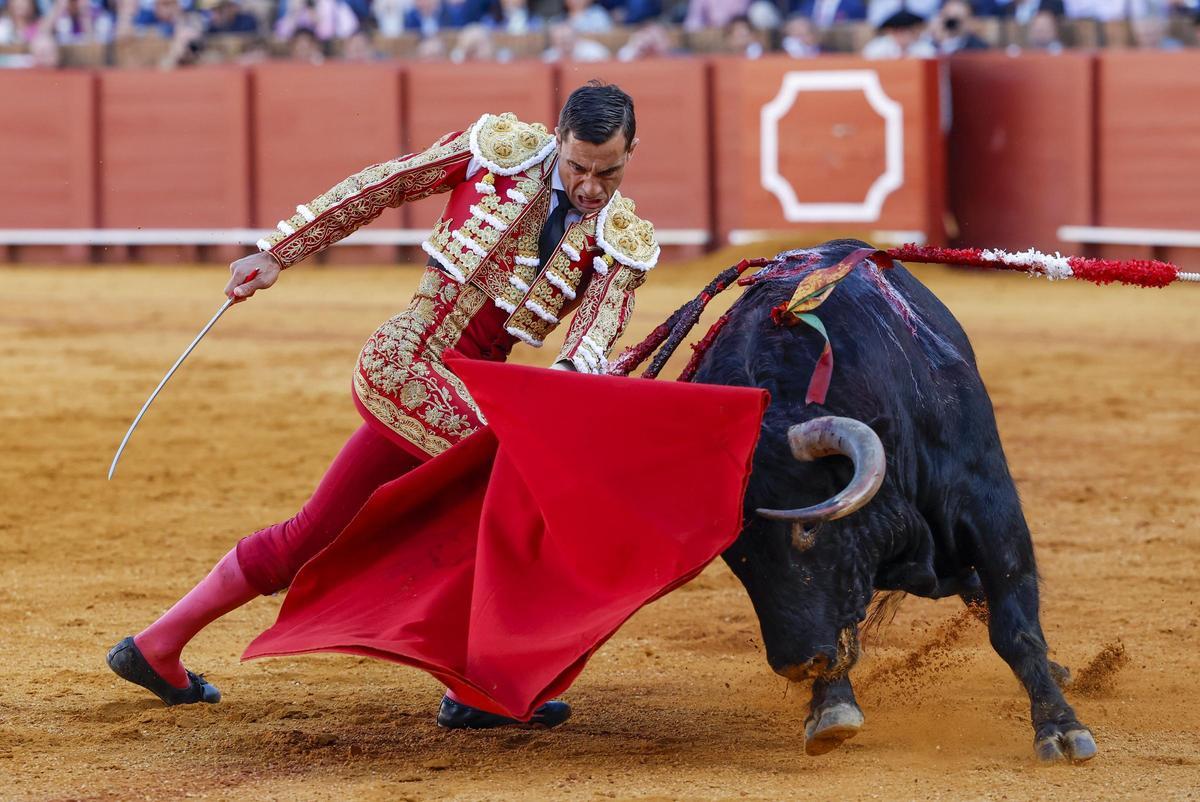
(522, 224)
(626, 237)
(548, 297)
(400, 377)
(408, 427)
(506, 145)
(534, 327)
(470, 301)
(604, 311)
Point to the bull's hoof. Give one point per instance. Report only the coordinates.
(1075, 745)
(827, 727)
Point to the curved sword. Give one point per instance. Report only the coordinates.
(113, 468)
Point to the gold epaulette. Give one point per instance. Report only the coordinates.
(507, 146)
(625, 237)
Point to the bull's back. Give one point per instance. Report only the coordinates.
(902, 362)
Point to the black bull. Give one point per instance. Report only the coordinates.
(945, 521)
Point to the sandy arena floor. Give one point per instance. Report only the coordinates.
(1097, 391)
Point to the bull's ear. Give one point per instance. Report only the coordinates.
(882, 426)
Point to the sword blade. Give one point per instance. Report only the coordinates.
(112, 468)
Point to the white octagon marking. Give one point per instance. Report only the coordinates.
(892, 178)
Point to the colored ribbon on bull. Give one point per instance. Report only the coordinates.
(812, 291)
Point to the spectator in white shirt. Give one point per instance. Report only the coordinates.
(566, 45)
(389, 16)
(800, 38)
(587, 17)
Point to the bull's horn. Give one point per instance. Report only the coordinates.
(823, 437)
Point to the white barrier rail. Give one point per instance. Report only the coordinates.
(1111, 235)
(249, 236)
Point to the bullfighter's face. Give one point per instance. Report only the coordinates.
(591, 173)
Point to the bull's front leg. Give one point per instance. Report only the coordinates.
(973, 596)
(834, 715)
(1016, 635)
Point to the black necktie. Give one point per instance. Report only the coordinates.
(552, 232)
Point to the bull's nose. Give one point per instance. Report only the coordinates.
(810, 669)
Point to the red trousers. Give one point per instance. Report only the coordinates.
(271, 557)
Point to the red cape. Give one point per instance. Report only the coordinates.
(501, 565)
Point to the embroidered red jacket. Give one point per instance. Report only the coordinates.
(489, 289)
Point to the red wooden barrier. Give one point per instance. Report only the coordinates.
(1149, 145)
(314, 126)
(1021, 157)
(48, 155)
(729, 145)
(47, 150)
(449, 97)
(175, 149)
(1149, 139)
(669, 176)
(803, 145)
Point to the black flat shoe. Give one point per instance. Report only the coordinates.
(456, 716)
(128, 663)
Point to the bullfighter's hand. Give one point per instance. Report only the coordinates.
(251, 274)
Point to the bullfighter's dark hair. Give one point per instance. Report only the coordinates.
(596, 111)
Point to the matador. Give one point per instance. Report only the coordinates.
(533, 230)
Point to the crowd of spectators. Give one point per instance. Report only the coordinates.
(33, 31)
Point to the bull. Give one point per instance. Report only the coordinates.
(897, 482)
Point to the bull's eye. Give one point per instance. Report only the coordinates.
(803, 537)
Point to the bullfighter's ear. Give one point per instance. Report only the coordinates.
(881, 425)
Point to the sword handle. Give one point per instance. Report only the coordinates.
(253, 275)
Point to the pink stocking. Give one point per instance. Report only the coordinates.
(224, 589)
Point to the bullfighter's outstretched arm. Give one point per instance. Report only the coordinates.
(346, 207)
(362, 197)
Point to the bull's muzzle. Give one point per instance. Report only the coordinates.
(824, 437)
(824, 665)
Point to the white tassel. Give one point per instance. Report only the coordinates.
(518, 196)
(571, 252)
(263, 245)
(469, 244)
(599, 265)
(537, 309)
(505, 305)
(528, 261)
(523, 337)
(285, 228)
(485, 188)
(446, 265)
(563, 287)
(520, 285)
(589, 362)
(490, 219)
(306, 213)
(1052, 267)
